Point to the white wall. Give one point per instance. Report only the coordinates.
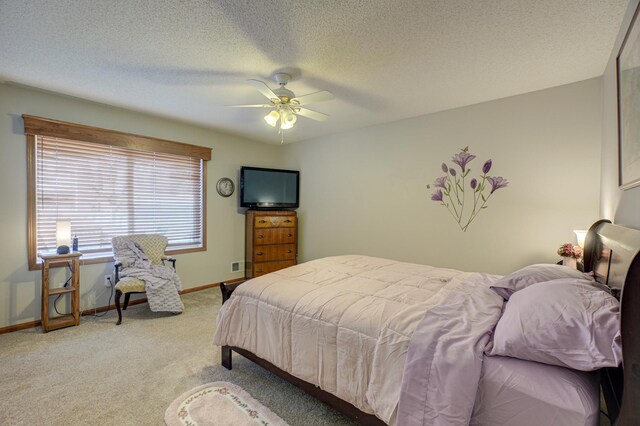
(19, 287)
(364, 191)
(622, 207)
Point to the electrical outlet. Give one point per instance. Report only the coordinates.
(235, 266)
(107, 281)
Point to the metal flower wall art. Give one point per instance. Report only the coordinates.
(465, 198)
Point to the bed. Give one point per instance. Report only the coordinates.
(343, 329)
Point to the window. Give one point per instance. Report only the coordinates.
(105, 188)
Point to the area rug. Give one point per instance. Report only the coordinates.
(219, 403)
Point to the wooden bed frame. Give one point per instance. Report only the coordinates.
(612, 253)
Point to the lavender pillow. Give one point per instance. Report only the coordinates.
(565, 322)
(534, 274)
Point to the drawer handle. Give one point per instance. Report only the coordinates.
(259, 253)
(259, 270)
(262, 221)
(289, 235)
(260, 236)
(287, 221)
(289, 251)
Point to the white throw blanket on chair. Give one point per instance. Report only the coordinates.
(160, 282)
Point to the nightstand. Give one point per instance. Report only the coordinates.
(579, 265)
(72, 261)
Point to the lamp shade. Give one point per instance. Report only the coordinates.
(581, 235)
(288, 121)
(63, 233)
(272, 118)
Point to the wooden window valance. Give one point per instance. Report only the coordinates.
(60, 129)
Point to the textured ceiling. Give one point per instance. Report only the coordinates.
(383, 60)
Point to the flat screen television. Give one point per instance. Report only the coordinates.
(269, 188)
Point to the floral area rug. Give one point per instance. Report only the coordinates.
(219, 403)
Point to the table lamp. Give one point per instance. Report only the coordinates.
(63, 236)
(581, 235)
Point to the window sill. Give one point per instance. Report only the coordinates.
(95, 258)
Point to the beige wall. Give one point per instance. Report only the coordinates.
(622, 207)
(20, 288)
(364, 191)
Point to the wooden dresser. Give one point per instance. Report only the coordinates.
(271, 241)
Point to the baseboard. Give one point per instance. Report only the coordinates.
(21, 326)
(37, 323)
(111, 307)
(200, 288)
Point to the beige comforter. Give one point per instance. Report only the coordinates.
(342, 323)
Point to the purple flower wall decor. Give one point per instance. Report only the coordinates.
(450, 189)
(487, 166)
(497, 183)
(437, 196)
(462, 159)
(441, 182)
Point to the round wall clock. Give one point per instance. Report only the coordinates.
(225, 187)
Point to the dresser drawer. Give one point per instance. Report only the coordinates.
(275, 236)
(274, 252)
(275, 222)
(261, 268)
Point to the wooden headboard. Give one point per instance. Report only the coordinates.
(612, 254)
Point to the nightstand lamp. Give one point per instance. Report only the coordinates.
(581, 235)
(63, 236)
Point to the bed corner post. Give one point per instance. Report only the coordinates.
(225, 351)
(226, 357)
(629, 329)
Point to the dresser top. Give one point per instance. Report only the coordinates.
(271, 213)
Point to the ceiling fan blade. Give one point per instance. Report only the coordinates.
(264, 89)
(251, 106)
(313, 98)
(309, 113)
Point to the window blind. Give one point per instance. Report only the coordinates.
(106, 191)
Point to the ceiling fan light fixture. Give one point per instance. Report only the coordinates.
(272, 118)
(287, 106)
(288, 121)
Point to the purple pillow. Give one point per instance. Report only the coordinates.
(534, 274)
(566, 322)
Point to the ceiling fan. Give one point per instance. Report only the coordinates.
(286, 105)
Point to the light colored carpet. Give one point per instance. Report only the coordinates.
(98, 373)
